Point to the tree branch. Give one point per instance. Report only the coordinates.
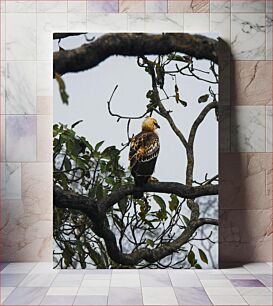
(190, 156)
(178, 189)
(69, 199)
(65, 35)
(150, 255)
(133, 44)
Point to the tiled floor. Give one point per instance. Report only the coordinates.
(39, 284)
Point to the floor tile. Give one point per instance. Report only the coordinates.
(210, 276)
(97, 276)
(3, 265)
(240, 276)
(208, 272)
(259, 300)
(11, 280)
(96, 283)
(21, 267)
(245, 291)
(221, 291)
(91, 300)
(125, 280)
(58, 300)
(124, 271)
(246, 283)
(62, 280)
(62, 291)
(38, 280)
(188, 281)
(266, 279)
(125, 296)
(216, 283)
(258, 268)
(44, 268)
(5, 292)
(86, 291)
(98, 272)
(26, 296)
(182, 273)
(191, 296)
(155, 280)
(71, 271)
(239, 270)
(159, 296)
(227, 300)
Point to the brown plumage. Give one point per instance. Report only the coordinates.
(144, 150)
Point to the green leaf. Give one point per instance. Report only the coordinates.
(73, 147)
(173, 203)
(160, 202)
(191, 258)
(76, 123)
(122, 204)
(99, 192)
(161, 214)
(203, 256)
(203, 98)
(98, 145)
(149, 242)
(149, 94)
(67, 163)
(197, 266)
(186, 219)
(63, 93)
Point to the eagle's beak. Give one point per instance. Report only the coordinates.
(157, 125)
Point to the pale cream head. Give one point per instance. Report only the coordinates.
(150, 124)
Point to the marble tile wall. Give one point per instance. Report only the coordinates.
(245, 125)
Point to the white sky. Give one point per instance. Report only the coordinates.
(89, 92)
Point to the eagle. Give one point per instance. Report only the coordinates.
(144, 150)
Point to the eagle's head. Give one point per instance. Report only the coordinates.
(149, 124)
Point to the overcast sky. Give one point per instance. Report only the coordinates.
(89, 92)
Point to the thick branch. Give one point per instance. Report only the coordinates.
(71, 200)
(133, 44)
(178, 189)
(67, 199)
(65, 35)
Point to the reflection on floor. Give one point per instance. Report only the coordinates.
(39, 284)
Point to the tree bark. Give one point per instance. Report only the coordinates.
(133, 44)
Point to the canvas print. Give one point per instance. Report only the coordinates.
(135, 150)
